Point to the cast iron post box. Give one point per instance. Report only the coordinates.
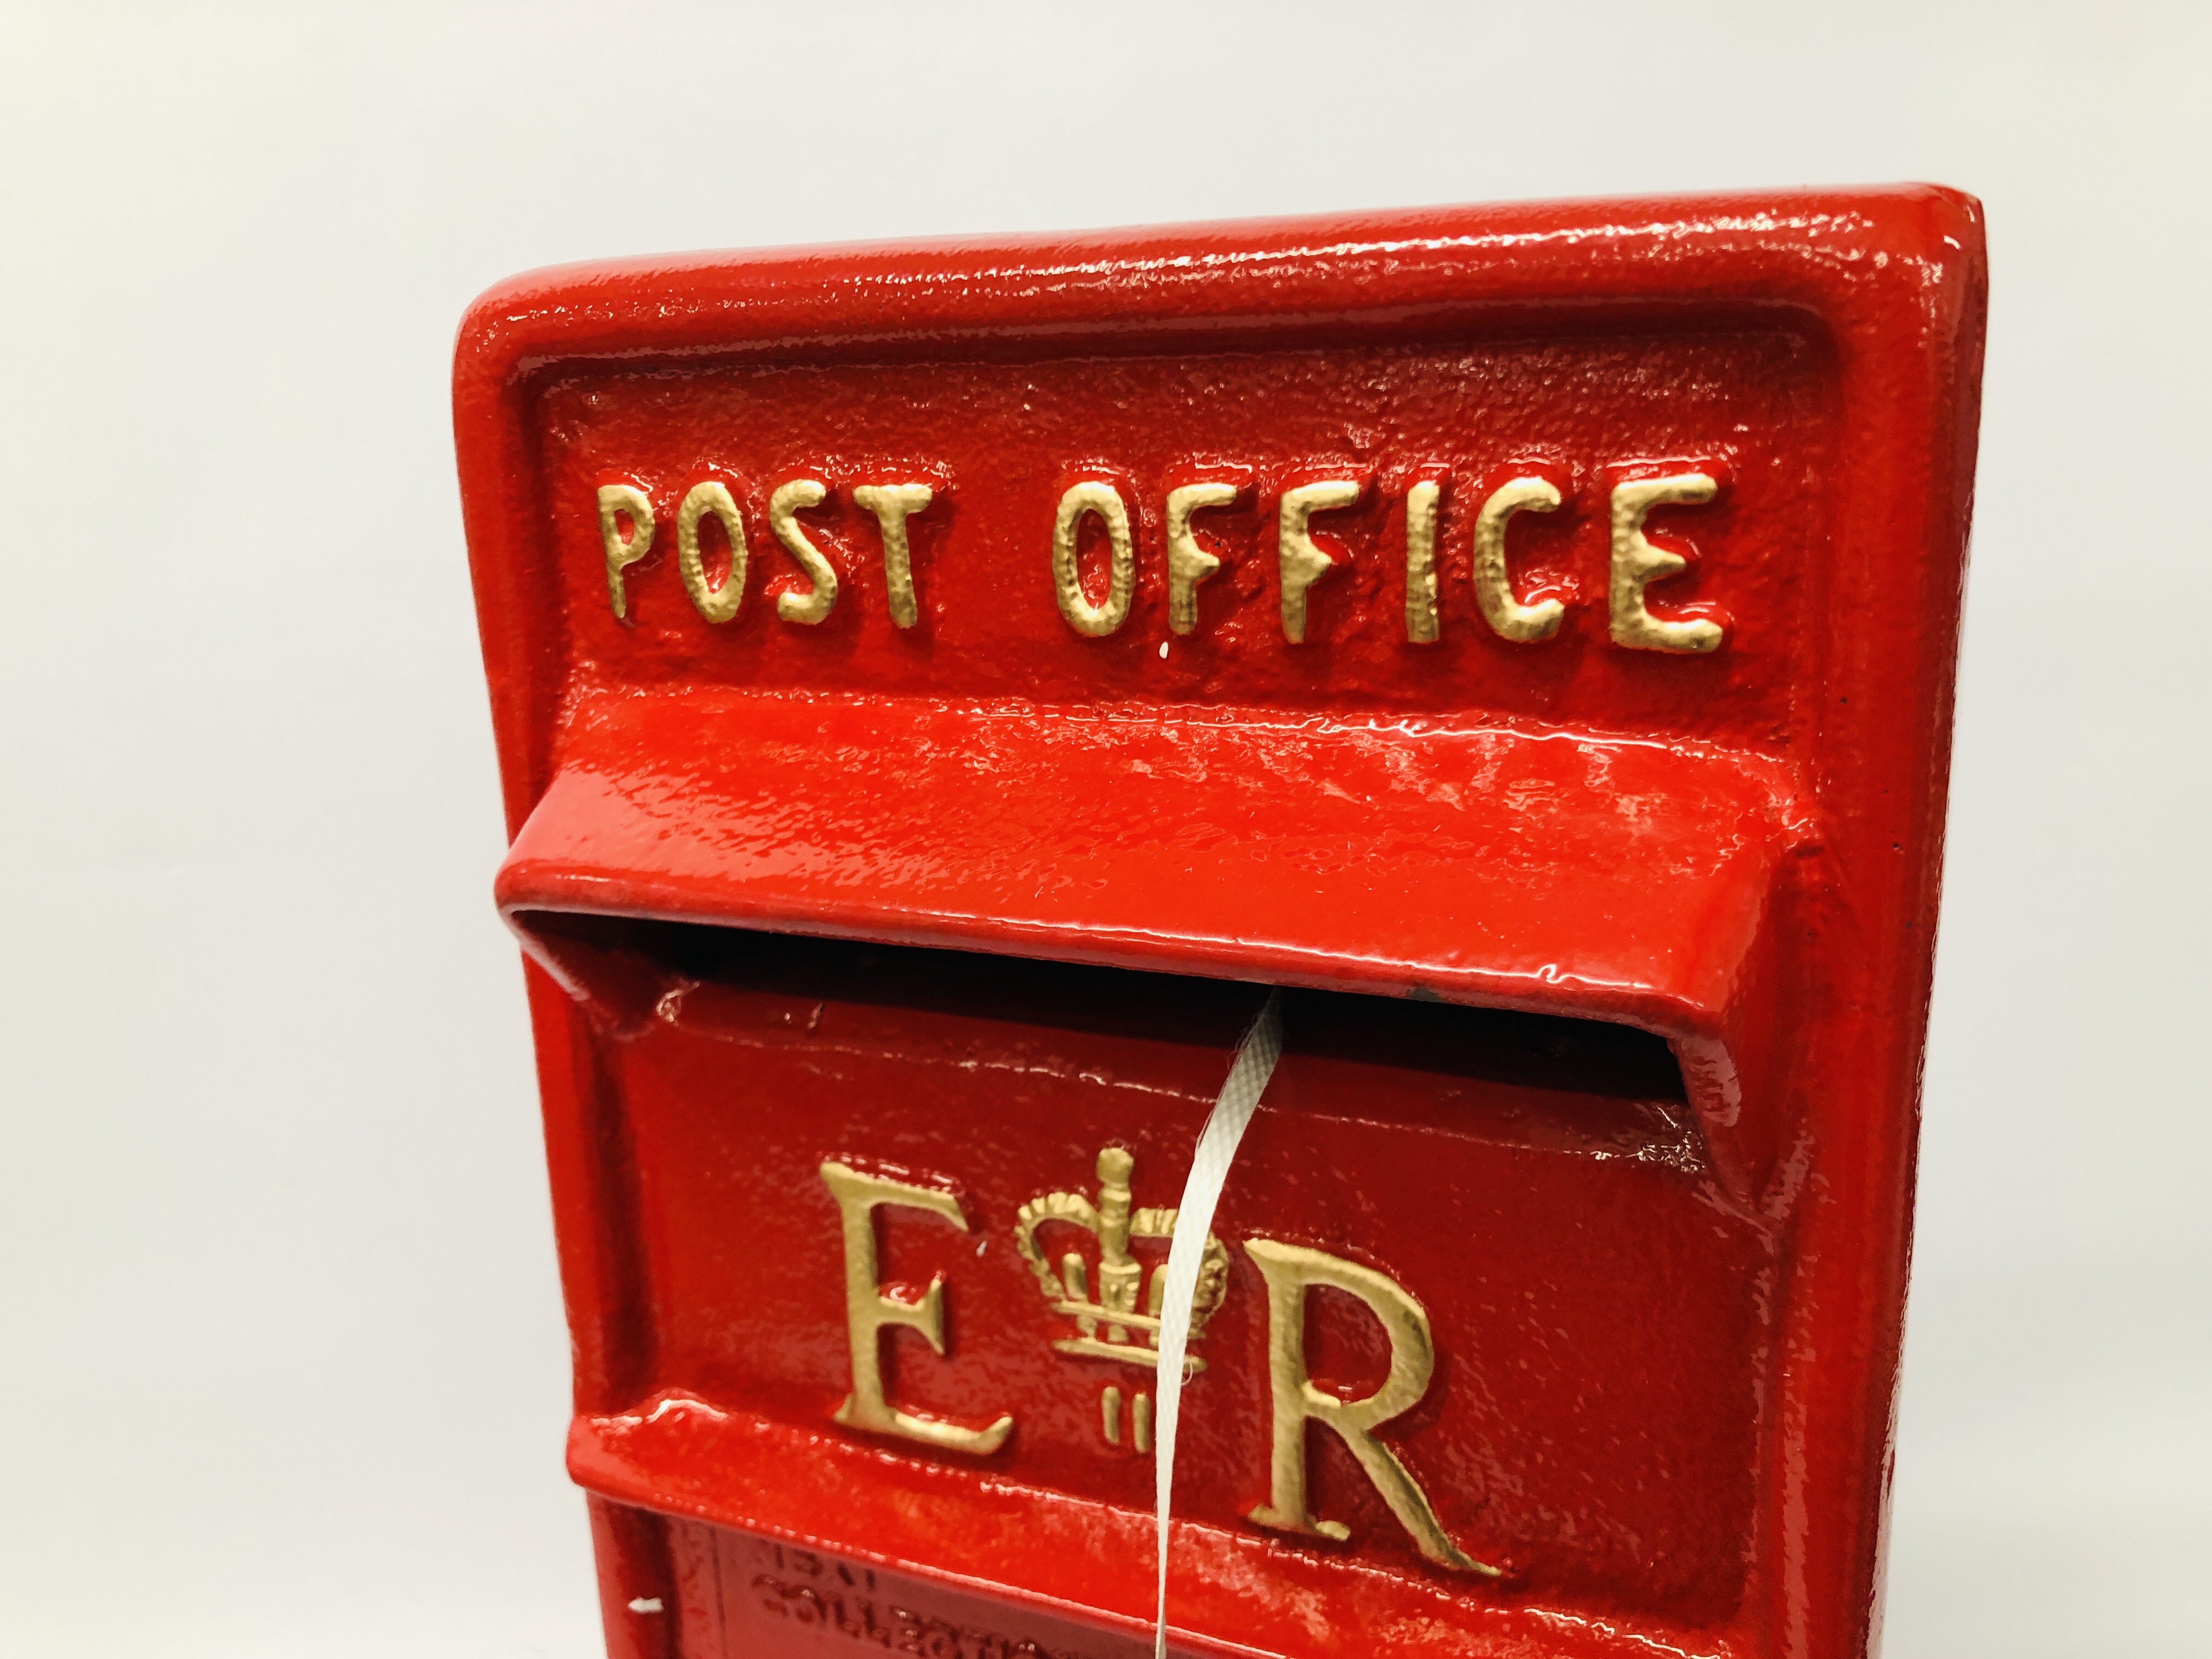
(939, 687)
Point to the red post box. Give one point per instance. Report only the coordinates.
(937, 687)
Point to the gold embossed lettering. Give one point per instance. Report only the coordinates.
(816, 604)
(1636, 563)
(1289, 1269)
(1421, 562)
(1493, 587)
(716, 605)
(1189, 564)
(1105, 500)
(617, 502)
(1114, 1326)
(868, 1311)
(1300, 562)
(893, 504)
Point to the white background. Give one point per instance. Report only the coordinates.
(281, 1365)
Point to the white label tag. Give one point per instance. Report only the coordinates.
(1209, 1171)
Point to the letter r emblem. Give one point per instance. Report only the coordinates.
(1288, 1269)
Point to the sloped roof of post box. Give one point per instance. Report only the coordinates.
(1614, 880)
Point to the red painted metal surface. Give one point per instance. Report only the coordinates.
(1610, 963)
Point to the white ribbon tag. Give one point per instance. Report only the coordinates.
(1209, 1170)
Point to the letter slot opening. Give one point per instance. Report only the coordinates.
(1560, 1080)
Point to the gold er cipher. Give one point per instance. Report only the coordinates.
(627, 531)
(1111, 1328)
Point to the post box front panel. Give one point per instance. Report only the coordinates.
(937, 690)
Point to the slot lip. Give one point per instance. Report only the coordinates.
(1627, 883)
(1553, 873)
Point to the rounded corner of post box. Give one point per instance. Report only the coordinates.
(488, 342)
(1951, 212)
(540, 313)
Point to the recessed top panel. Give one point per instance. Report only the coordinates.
(999, 445)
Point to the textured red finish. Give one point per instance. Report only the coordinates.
(1657, 1209)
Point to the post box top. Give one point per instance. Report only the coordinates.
(1889, 280)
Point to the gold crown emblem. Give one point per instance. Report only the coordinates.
(1122, 1277)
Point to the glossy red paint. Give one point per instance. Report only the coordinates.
(1656, 1201)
